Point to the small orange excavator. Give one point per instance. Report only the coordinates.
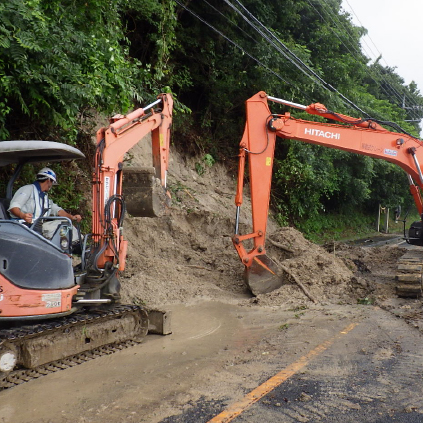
(362, 136)
(51, 308)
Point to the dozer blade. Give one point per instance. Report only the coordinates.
(144, 194)
(263, 275)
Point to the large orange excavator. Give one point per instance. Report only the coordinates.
(362, 136)
(53, 306)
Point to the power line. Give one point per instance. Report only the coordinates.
(335, 19)
(324, 83)
(411, 101)
(298, 62)
(282, 49)
(235, 44)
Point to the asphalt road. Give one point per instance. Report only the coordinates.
(328, 363)
(369, 373)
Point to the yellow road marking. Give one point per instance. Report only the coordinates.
(237, 408)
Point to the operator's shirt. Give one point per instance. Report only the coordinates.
(30, 199)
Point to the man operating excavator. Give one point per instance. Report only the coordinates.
(31, 202)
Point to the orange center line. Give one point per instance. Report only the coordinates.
(256, 394)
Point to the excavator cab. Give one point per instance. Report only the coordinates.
(415, 233)
(22, 152)
(34, 271)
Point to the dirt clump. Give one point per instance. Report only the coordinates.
(327, 277)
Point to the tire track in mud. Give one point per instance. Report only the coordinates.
(385, 388)
(275, 381)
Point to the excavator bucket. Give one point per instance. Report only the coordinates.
(263, 275)
(144, 194)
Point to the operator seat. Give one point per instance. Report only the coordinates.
(4, 205)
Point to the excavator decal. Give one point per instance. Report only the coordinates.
(320, 133)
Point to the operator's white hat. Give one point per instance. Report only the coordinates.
(47, 173)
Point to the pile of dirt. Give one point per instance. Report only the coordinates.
(377, 265)
(326, 277)
(187, 254)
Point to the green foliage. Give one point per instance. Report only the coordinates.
(60, 59)
(208, 161)
(366, 301)
(336, 226)
(63, 61)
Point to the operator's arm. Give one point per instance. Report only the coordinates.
(73, 217)
(56, 210)
(21, 204)
(16, 212)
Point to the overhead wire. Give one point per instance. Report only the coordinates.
(284, 53)
(327, 85)
(356, 53)
(406, 93)
(253, 39)
(292, 58)
(299, 63)
(228, 20)
(234, 43)
(400, 96)
(282, 49)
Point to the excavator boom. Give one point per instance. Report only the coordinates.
(362, 136)
(113, 142)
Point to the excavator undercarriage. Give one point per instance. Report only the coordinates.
(409, 274)
(31, 350)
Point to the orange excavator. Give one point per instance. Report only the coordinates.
(362, 136)
(53, 306)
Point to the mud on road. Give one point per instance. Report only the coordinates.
(225, 342)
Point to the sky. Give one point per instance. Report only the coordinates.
(395, 29)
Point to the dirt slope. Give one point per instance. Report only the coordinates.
(187, 255)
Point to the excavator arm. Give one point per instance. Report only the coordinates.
(113, 142)
(360, 136)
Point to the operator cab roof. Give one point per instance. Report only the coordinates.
(36, 151)
(22, 152)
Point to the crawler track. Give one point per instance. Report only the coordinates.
(18, 377)
(41, 347)
(409, 274)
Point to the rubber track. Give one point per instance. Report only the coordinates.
(409, 274)
(20, 376)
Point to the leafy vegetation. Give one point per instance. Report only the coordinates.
(62, 62)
